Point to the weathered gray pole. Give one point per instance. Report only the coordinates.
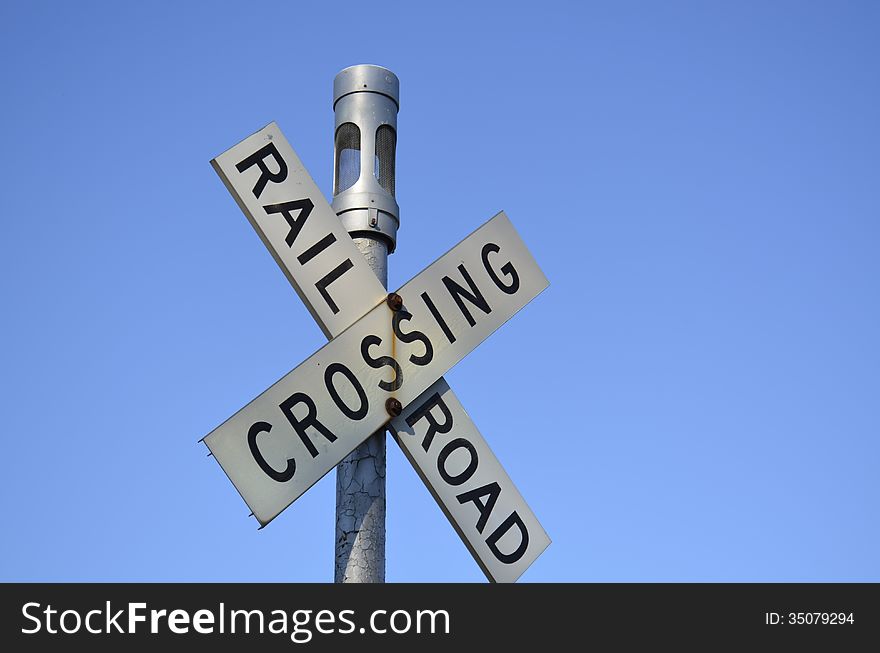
(365, 102)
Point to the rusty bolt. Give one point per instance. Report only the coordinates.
(393, 407)
(395, 301)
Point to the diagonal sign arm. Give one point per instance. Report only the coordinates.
(469, 484)
(300, 229)
(265, 165)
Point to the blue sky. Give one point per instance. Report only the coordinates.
(694, 398)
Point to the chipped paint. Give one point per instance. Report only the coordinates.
(360, 481)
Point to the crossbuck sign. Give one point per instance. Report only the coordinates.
(383, 364)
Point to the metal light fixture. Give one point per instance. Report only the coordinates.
(366, 100)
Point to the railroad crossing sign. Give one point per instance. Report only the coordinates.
(383, 364)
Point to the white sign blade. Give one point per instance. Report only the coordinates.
(300, 229)
(469, 484)
(280, 444)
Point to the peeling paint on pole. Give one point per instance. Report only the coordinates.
(360, 483)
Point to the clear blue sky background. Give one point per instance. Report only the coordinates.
(696, 397)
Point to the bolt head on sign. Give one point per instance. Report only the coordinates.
(386, 351)
(393, 406)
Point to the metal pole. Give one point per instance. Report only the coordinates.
(365, 103)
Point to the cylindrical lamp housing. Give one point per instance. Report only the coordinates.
(366, 99)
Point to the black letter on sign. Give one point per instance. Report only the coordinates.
(492, 490)
(329, 278)
(475, 297)
(430, 304)
(311, 419)
(258, 158)
(281, 477)
(433, 427)
(316, 249)
(445, 452)
(303, 206)
(492, 540)
(412, 336)
(331, 370)
(382, 361)
(507, 269)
